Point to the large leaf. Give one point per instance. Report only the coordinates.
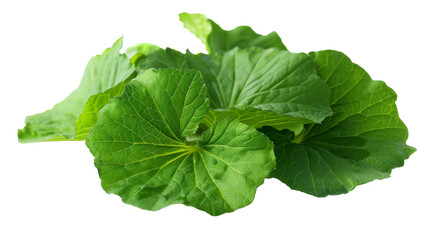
(218, 40)
(147, 153)
(363, 140)
(260, 87)
(102, 73)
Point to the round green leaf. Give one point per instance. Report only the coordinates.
(147, 153)
(363, 140)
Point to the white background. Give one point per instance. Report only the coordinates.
(52, 190)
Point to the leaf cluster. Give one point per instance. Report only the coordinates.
(206, 129)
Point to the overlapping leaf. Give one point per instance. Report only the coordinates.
(218, 40)
(363, 140)
(260, 87)
(102, 73)
(146, 151)
(140, 51)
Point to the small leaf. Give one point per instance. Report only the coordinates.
(256, 118)
(363, 140)
(89, 116)
(103, 72)
(140, 51)
(147, 153)
(218, 40)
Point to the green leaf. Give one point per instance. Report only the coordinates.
(363, 140)
(218, 40)
(197, 24)
(140, 51)
(256, 118)
(89, 116)
(147, 153)
(102, 73)
(261, 87)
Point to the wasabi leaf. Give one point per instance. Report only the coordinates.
(140, 51)
(218, 40)
(363, 140)
(147, 153)
(103, 72)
